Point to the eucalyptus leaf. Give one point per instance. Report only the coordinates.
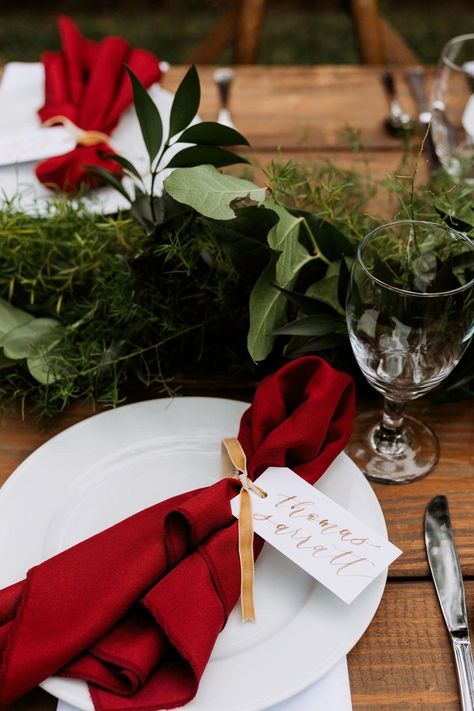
(284, 238)
(29, 338)
(40, 368)
(11, 317)
(209, 192)
(317, 325)
(267, 312)
(186, 102)
(204, 155)
(148, 117)
(210, 133)
(110, 179)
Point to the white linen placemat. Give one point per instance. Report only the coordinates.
(332, 691)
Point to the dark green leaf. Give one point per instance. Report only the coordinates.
(209, 133)
(343, 283)
(299, 345)
(319, 325)
(306, 304)
(108, 178)
(148, 117)
(444, 280)
(454, 222)
(382, 272)
(245, 238)
(186, 102)
(142, 212)
(204, 155)
(330, 241)
(125, 163)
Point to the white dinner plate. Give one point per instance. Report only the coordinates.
(111, 465)
(21, 95)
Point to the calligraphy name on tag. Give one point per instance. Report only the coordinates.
(330, 543)
(33, 144)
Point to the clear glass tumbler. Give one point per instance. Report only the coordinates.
(452, 122)
(410, 316)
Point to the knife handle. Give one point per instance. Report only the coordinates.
(465, 670)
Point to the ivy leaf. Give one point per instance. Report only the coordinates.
(186, 102)
(204, 155)
(110, 179)
(210, 133)
(148, 116)
(124, 162)
(317, 325)
(284, 239)
(209, 192)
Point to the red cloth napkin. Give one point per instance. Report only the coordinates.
(87, 83)
(136, 610)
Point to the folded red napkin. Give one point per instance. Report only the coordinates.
(136, 610)
(86, 82)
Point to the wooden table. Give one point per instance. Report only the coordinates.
(404, 660)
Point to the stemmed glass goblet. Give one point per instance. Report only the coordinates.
(452, 118)
(410, 316)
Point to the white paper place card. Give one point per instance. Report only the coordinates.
(32, 144)
(330, 543)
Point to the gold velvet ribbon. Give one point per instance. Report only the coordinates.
(234, 462)
(83, 138)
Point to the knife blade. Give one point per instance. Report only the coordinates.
(447, 576)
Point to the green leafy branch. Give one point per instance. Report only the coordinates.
(207, 139)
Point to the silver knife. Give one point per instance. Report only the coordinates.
(447, 576)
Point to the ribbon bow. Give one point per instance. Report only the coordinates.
(234, 455)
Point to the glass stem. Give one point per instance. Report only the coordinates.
(389, 437)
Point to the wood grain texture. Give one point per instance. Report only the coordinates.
(303, 108)
(405, 661)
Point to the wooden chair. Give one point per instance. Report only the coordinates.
(241, 26)
(379, 41)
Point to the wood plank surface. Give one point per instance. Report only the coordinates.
(303, 108)
(404, 660)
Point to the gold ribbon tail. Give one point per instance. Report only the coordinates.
(234, 462)
(81, 136)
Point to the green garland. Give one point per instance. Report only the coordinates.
(133, 309)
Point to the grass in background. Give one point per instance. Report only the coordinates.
(293, 34)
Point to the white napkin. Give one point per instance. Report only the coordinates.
(21, 137)
(330, 692)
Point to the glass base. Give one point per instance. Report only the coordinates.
(416, 455)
